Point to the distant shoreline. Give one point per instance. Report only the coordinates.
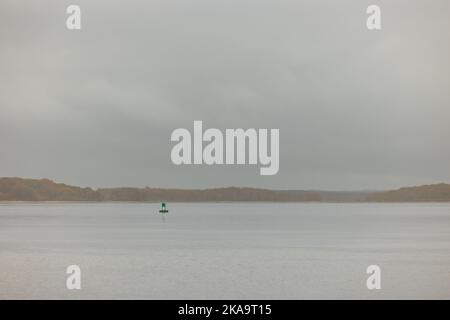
(44, 190)
(30, 202)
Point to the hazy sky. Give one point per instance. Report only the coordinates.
(356, 109)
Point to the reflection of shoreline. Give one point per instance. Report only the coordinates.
(31, 190)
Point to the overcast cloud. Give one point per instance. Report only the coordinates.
(356, 109)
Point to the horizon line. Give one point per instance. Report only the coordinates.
(225, 187)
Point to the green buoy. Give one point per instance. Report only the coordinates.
(163, 208)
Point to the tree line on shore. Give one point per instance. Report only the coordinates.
(19, 189)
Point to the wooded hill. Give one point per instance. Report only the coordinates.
(18, 189)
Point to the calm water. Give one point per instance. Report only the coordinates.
(225, 250)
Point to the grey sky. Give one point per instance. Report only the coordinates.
(356, 109)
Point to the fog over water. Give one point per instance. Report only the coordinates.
(224, 250)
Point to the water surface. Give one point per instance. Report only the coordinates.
(224, 250)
